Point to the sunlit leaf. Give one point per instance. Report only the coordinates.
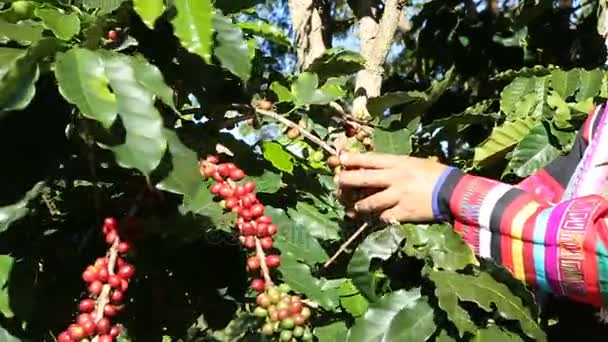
(193, 25)
(64, 26)
(149, 10)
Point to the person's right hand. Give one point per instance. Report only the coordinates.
(399, 188)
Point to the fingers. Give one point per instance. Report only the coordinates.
(395, 214)
(365, 178)
(370, 160)
(378, 202)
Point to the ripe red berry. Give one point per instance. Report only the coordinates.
(213, 159)
(83, 317)
(110, 223)
(231, 202)
(224, 170)
(239, 191)
(103, 274)
(105, 338)
(249, 186)
(89, 327)
(114, 281)
(257, 210)
(299, 319)
(261, 230)
(258, 285)
(86, 305)
(120, 262)
(100, 263)
(115, 331)
(333, 161)
(95, 288)
(217, 177)
(266, 242)
(283, 313)
(76, 332)
(253, 263)
(249, 242)
(215, 188)
(264, 219)
(116, 296)
(89, 274)
(248, 200)
(226, 191)
(273, 260)
(272, 229)
(237, 174)
(110, 310)
(64, 337)
(245, 214)
(124, 285)
(112, 35)
(103, 326)
(263, 300)
(126, 271)
(248, 229)
(111, 237)
(123, 247)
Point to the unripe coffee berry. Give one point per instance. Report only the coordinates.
(333, 161)
(287, 323)
(263, 300)
(260, 312)
(286, 335)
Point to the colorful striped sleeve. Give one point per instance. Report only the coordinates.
(558, 246)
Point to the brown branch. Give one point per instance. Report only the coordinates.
(303, 131)
(345, 245)
(104, 297)
(259, 251)
(309, 20)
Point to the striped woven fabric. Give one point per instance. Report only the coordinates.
(550, 230)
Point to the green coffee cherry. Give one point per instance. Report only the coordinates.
(307, 336)
(268, 329)
(317, 156)
(298, 332)
(286, 335)
(260, 312)
(284, 288)
(288, 323)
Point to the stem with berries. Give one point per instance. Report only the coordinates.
(286, 315)
(107, 281)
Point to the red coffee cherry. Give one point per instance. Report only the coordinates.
(215, 188)
(224, 170)
(258, 285)
(126, 271)
(64, 337)
(111, 237)
(295, 307)
(232, 202)
(253, 263)
(257, 210)
(89, 274)
(103, 274)
(272, 229)
(263, 300)
(114, 281)
(266, 242)
(112, 35)
(264, 219)
(110, 310)
(249, 242)
(105, 338)
(116, 296)
(213, 159)
(103, 326)
(237, 174)
(86, 305)
(273, 260)
(110, 223)
(76, 332)
(89, 327)
(123, 247)
(95, 288)
(115, 331)
(249, 186)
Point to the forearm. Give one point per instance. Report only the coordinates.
(559, 248)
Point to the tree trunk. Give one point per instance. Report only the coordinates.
(310, 19)
(376, 37)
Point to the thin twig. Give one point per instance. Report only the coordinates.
(346, 244)
(304, 132)
(262, 256)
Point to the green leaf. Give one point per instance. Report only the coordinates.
(6, 265)
(268, 182)
(590, 84)
(19, 73)
(14, 212)
(439, 244)
(184, 177)
(297, 276)
(193, 25)
(104, 6)
(495, 334)
(378, 245)
(502, 139)
(565, 83)
(18, 11)
(305, 90)
(334, 332)
(444, 337)
(150, 77)
(393, 142)
(561, 116)
(448, 302)
(314, 222)
(276, 154)
(378, 105)
(85, 78)
(351, 299)
(399, 316)
(7, 57)
(232, 49)
(336, 62)
(24, 33)
(283, 94)
(525, 97)
(64, 26)
(149, 10)
(533, 152)
(231, 6)
(487, 293)
(202, 203)
(5, 336)
(266, 30)
(295, 239)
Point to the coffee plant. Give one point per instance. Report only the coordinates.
(197, 141)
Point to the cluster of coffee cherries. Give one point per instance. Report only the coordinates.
(107, 280)
(254, 227)
(285, 314)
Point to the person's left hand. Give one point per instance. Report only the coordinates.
(403, 185)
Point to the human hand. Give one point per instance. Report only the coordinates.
(401, 187)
